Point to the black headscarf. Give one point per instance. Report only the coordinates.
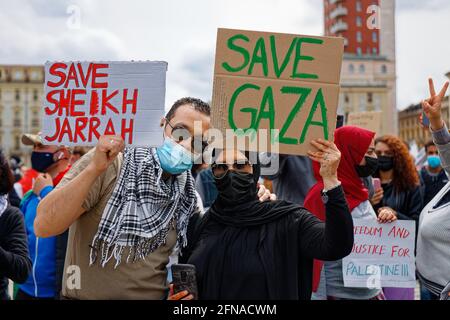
(227, 227)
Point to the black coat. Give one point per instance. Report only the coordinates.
(272, 260)
(407, 204)
(15, 263)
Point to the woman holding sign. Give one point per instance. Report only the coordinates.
(246, 249)
(400, 191)
(358, 161)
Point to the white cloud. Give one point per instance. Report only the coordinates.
(184, 33)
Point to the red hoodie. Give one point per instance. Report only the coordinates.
(353, 143)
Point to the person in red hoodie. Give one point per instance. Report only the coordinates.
(358, 160)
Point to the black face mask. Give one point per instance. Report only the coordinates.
(41, 161)
(385, 163)
(369, 168)
(236, 187)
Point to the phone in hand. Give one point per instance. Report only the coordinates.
(184, 278)
(425, 120)
(376, 183)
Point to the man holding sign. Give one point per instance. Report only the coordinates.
(126, 205)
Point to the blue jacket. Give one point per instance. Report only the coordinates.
(41, 281)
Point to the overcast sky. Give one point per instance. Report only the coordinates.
(184, 34)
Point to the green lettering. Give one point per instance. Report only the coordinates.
(260, 48)
(232, 46)
(267, 99)
(273, 47)
(233, 99)
(299, 57)
(304, 93)
(324, 124)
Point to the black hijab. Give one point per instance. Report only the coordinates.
(269, 231)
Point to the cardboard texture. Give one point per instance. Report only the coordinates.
(370, 120)
(84, 100)
(273, 81)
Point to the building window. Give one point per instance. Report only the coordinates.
(374, 36)
(369, 97)
(351, 68)
(383, 69)
(35, 122)
(17, 123)
(362, 103)
(358, 6)
(359, 36)
(362, 68)
(358, 22)
(374, 50)
(17, 95)
(358, 51)
(35, 95)
(346, 98)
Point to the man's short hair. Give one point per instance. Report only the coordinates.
(199, 105)
(428, 144)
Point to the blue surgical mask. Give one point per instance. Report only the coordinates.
(434, 161)
(41, 161)
(174, 158)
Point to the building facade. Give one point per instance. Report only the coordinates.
(21, 92)
(368, 75)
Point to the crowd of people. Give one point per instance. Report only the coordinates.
(117, 217)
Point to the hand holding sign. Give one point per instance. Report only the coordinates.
(106, 151)
(386, 214)
(329, 157)
(432, 106)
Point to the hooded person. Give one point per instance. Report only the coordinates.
(358, 161)
(245, 249)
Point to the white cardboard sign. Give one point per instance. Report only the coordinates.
(382, 255)
(84, 100)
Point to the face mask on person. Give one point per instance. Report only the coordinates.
(385, 163)
(434, 161)
(236, 187)
(174, 158)
(369, 168)
(41, 161)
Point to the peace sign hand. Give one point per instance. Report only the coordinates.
(433, 105)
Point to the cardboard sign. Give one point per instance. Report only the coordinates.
(84, 100)
(370, 120)
(270, 81)
(382, 255)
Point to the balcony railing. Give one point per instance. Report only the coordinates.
(338, 12)
(339, 27)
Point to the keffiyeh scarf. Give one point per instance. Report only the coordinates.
(142, 209)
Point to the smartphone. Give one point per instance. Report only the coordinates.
(425, 120)
(376, 183)
(184, 278)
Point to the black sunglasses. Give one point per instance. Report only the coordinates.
(219, 170)
(180, 134)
